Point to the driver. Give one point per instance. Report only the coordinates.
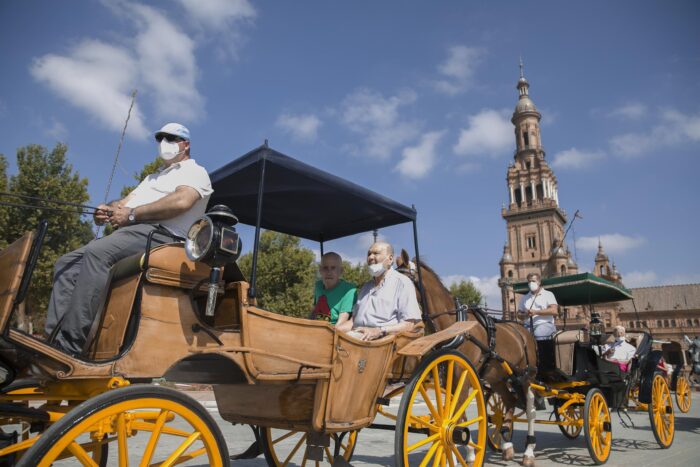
(540, 305)
(172, 198)
(385, 304)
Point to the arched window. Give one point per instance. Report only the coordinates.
(510, 274)
(659, 324)
(673, 323)
(665, 323)
(563, 269)
(602, 270)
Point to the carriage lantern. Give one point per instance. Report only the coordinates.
(213, 240)
(596, 328)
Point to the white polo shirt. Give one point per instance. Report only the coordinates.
(622, 351)
(156, 186)
(544, 325)
(391, 302)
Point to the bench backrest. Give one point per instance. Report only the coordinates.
(13, 261)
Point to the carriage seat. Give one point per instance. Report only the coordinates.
(167, 265)
(564, 344)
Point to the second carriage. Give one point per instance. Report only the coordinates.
(582, 386)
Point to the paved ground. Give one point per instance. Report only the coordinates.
(631, 447)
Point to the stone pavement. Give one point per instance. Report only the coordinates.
(631, 446)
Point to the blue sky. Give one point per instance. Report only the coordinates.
(410, 99)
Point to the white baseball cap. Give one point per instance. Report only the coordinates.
(176, 129)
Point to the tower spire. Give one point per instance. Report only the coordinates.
(522, 74)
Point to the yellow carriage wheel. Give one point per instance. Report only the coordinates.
(442, 414)
(288, 448)
(597, 426)
(661, 412)
(144, 425)
(573, 413)
(683, 400)
(496, 411)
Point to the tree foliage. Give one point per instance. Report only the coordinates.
(285, 274)
(467, 293)
(45, 174)
(356, 274)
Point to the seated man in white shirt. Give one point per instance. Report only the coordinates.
(540, 305)
(620, 351)
(387, 304)
(173, 198)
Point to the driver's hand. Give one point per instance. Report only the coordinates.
(119, 217)
(102, 214)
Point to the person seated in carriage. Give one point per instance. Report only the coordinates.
(386, 304)
(334, 297)
(619, 351)
(171, 199)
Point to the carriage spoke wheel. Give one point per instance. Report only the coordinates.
(597, 426)
(570, 424)
(145, 425)
(288, 448)
(441, 418)
(496, 411)
(661, 412)
(683, 394)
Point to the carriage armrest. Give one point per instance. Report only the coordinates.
(422, 345)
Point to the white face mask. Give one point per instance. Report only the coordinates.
(376, 269)
(533, 286)
(168, 151)
(619, 339)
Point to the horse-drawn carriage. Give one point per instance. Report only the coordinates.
(582, 386)
(184, 312)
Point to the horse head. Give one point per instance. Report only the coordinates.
(694, 351)
(438, 300)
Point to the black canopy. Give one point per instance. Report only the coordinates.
(301, 200)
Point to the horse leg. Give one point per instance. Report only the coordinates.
(506, 431)
(529, 456)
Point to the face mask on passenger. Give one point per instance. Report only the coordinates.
(376, 269)
(168, 150)
(533, 286)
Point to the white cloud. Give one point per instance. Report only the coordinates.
(376, 118)
(301, 127)
(488, 133)
(417, 161)
(224, 18)
(458, 69)
(97, 78)
(640, 279)
(219, 14)
(488, 286)
(576, 159)
(674, 128)
(630, 111)
(167, 64)
(57, 130)
(650, 278)
(612, 243)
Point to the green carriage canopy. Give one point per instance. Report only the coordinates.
(580, 289)
(299, 199)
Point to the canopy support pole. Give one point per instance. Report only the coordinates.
(258, 220)
(424, 304)
(320, 242)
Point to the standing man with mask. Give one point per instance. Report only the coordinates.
(540, 305)
(173, 198)
(386, 304)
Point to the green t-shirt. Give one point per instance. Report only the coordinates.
(329, 304)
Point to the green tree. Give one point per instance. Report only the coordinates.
(356, 274)
(467, 293)
(46, 175)
(285, 274)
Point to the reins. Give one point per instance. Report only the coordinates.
(81, 208)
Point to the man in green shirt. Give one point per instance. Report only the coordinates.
(333, 297)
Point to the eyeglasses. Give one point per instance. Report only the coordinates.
(168, 137)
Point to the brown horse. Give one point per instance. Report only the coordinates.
(513, 343)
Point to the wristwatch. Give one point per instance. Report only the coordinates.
(132, 216)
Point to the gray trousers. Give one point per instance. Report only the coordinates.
(80, 278)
